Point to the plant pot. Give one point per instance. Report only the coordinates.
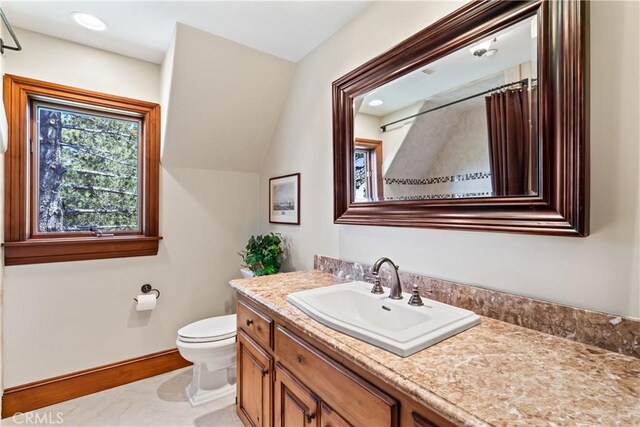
(246, 273)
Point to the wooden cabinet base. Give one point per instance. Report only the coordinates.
(309, 384)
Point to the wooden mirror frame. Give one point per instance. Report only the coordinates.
(562, 205)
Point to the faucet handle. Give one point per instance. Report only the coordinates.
(415, 297)
(377, 288)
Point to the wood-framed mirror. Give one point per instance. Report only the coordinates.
(477, 122)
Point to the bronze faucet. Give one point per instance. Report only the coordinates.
(396, 289)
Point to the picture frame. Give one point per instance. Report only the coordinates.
(284, 199)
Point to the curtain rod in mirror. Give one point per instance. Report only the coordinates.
(3, 46)
(523, 82)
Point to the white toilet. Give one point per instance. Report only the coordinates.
(211, 345)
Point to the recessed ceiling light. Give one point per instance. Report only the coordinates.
(376, 102)
(89, 21)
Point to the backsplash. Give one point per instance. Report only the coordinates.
(440, 196)
(472, 184)
(438, 179)
(614, 333)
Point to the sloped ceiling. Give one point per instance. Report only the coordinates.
(221, 102)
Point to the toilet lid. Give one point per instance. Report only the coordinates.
(207, 330)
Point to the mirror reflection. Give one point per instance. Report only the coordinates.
(463, 126)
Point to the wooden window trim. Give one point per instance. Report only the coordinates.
(19, 246)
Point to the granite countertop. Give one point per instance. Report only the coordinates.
(492, 374)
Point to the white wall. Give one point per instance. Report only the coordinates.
(64, 317)
(366, 126)
(55, 60)
(599, 272)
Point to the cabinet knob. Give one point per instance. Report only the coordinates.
(309, 417)
(249, 322)
(264, 372)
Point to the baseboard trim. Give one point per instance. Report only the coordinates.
(27, 397)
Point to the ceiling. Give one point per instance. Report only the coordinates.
(143, 29)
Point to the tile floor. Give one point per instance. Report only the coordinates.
(156, 401)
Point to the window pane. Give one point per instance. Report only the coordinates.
(87, 171)
(360, 162)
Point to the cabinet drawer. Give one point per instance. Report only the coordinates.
(257, 325)
(359, 402)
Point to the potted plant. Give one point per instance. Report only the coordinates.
(263, 255)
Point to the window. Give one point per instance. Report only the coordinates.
(81, 174)
(367, 164)
(363, 176)
(86, 169)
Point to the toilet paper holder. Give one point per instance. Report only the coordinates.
(146, 288)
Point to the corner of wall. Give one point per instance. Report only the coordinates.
(166, 75)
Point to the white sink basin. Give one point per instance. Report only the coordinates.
(393, 325)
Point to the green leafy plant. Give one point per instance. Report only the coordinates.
(264, 254)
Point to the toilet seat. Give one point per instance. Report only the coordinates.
(209, 330)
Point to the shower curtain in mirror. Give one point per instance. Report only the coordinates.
(512, 155)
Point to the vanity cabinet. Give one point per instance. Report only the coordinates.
(285, 380)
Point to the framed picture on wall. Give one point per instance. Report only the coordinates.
(284, 199)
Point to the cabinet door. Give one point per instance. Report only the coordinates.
(255, 373)
(330, 418)
(295, 405)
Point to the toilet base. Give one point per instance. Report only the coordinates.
(200, 397)
(207, 385)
